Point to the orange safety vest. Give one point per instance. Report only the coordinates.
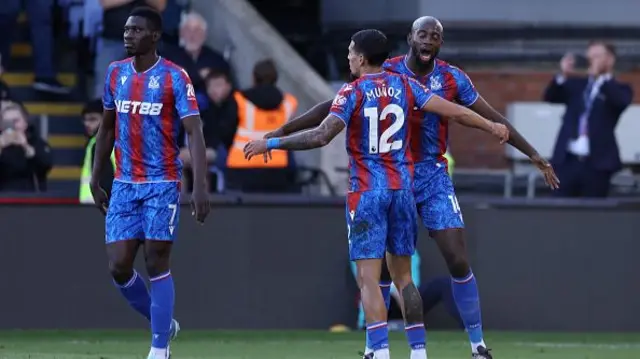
(253, 124)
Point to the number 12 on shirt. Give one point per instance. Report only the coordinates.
(380, 143)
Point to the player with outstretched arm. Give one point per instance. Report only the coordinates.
(436, 200)
(381, 215)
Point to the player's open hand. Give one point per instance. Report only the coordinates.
(547, 171)
(272, 134)
(100, 197)
(501, 131)
(200, 206)
(254, 148)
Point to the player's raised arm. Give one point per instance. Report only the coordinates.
(307, 120)
(429, 102)
(306, 140)
(187, 108)
(465, 117)
(468, 96)
(105, 139)
(481, 107)
(340, 112)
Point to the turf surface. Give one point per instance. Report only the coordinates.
(306, 345)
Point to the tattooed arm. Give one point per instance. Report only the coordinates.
(307, 120)
(317, 137)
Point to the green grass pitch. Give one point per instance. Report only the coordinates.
(306, 345)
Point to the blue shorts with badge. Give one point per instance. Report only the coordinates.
(143, 211)
(435, 197)
(380, 221)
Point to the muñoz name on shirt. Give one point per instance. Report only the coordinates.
(384, 92)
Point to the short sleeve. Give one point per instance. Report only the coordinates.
(344, 103)
(109, 86)
(184, 95)
(421, 93)
(467, 93)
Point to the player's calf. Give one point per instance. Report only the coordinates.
(131, 285)
(463, 283)
(400, 269)
(414, 321)
(368, 278)
(157, 255)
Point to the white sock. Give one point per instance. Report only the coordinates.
(159, 353)
(418, 354)
(474, 346)
(381, 354)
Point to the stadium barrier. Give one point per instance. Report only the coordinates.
(263, 262)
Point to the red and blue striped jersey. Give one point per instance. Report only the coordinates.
(430, 132)
(149, 108)
(375, 109)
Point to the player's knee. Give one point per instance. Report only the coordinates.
(458, 266)
(156, 265)
(157, 255)
(366, 281)
(402, 280)
(121, 271)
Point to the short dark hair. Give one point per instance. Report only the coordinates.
(218, 74)
(153, 17)
(265, 72)
(93, 106)
(373, 45)
(611, 49)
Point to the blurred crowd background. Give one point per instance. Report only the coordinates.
(282, 57)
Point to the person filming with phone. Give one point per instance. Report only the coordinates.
(586, 154)
(25, 158)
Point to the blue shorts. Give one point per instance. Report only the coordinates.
(143, 211)
(379, 221)
(435, 197)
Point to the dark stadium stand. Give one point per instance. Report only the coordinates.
(55, 116)
(485, 44)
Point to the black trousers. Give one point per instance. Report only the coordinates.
(578, 178)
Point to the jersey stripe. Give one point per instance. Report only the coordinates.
(407, 153)
(450, 90)
(168, 129)
(354, 140)
(388, 161)
(112, 85)
(136, 144)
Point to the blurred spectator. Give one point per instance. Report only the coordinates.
(171, 17)
(261, 109)
(586, 154)
(220, 121)
(109, 46)
(193, 55)
(91, 117)
(40, 13)
(221, 113)
(5, 92)
(25, 158)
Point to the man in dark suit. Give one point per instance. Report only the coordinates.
(586, 154)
